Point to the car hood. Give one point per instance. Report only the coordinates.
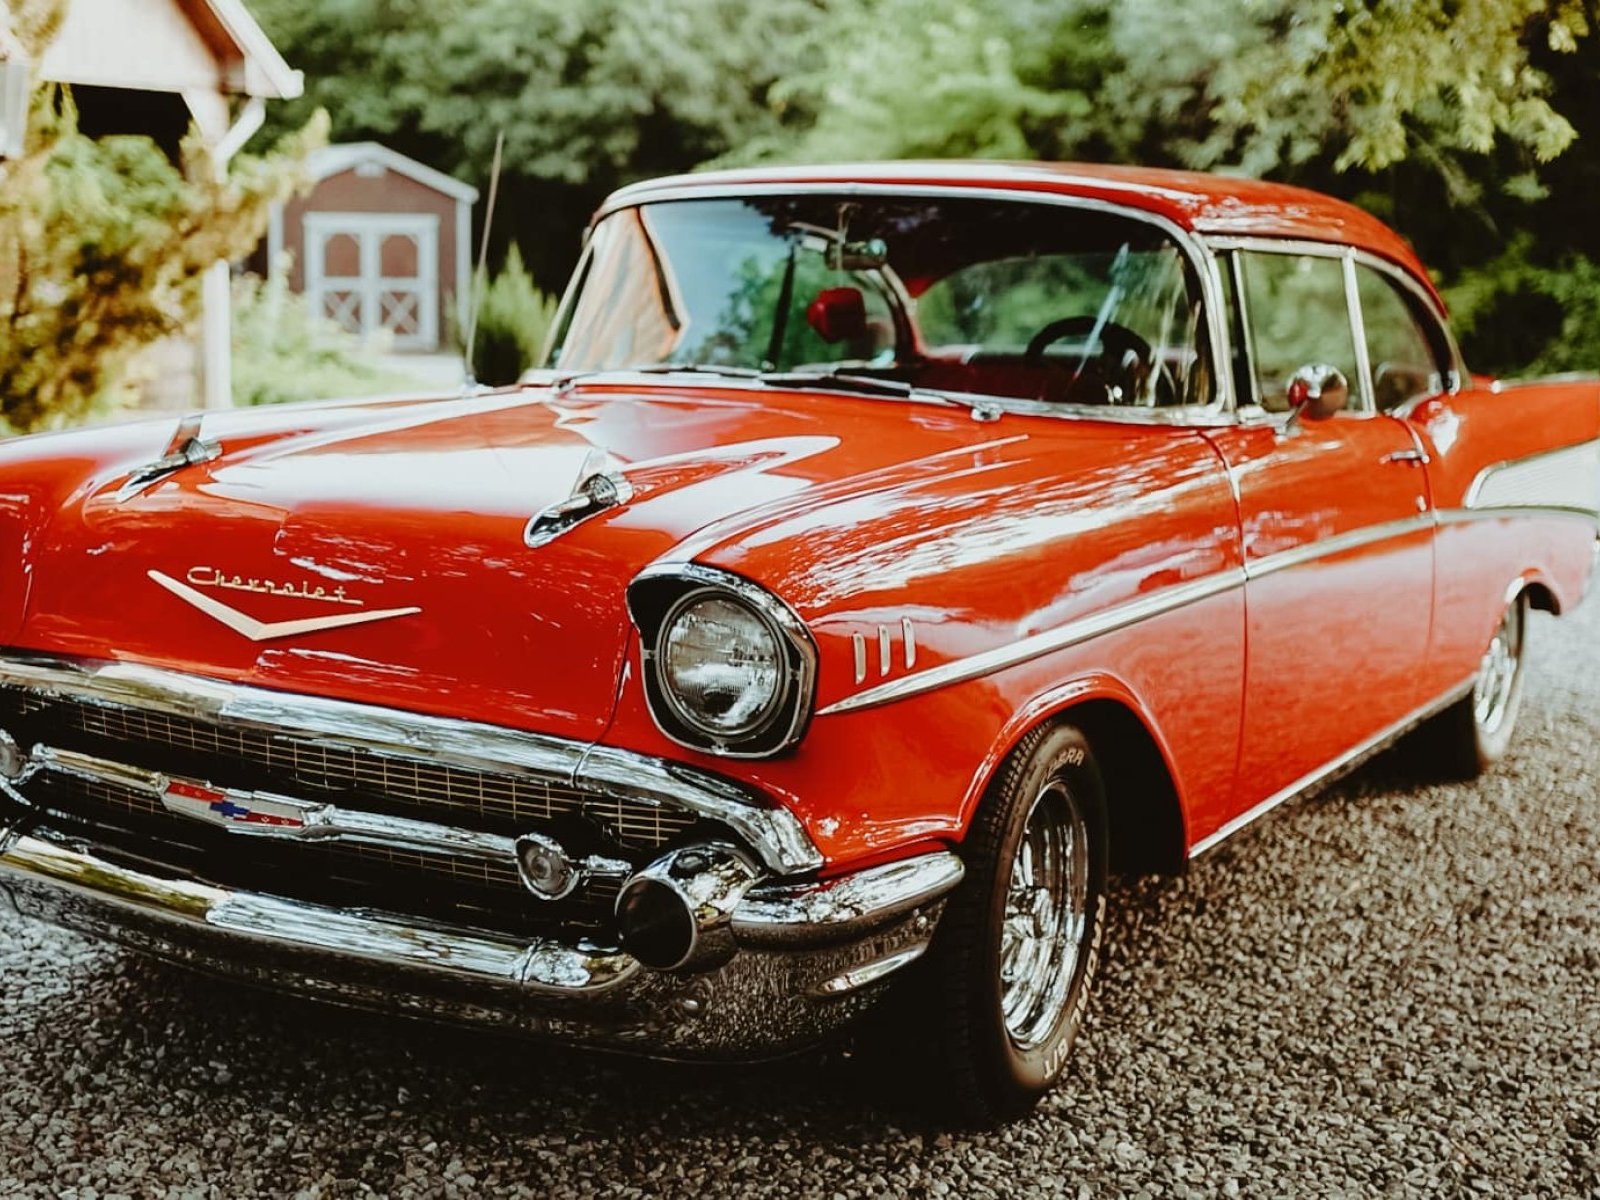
(377, 553)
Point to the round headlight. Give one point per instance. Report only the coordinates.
(721, 665)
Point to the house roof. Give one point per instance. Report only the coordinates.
(1206, 204)
(179, 46)
(266, 73)
(345, 156)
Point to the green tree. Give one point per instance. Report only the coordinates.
(589, 95)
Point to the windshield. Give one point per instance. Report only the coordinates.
(992, 297)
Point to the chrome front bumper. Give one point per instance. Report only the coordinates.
(810, 956)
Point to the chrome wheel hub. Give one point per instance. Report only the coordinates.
(1046, 910)
(1495, 687)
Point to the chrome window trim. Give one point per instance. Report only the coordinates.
(1244, 398)
(1217, 412)
(1457, 375)
(772, 830)
(1120, 616)
(1358, 333)
(1347, 257)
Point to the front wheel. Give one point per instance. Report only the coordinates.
(1017, 948)
(1474, 733)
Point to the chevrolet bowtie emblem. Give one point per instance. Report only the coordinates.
(266, 631)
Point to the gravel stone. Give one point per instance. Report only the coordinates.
(1392, 989)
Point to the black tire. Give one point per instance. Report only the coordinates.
(1473, 734)
(995, 1063)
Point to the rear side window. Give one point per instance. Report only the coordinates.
(1408, 354)
(1298, 317)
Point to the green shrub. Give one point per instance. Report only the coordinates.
(513, 322)
(282, 353)
(103, 244)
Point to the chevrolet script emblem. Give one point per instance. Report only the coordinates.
(266, 631)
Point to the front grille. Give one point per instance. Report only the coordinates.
(441, 886)
(135, 827)
(314, 770)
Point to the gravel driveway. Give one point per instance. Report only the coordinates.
(1392, 989)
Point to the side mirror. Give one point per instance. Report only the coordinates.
(1316, 392)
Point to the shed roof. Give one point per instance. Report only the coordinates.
(345, 156)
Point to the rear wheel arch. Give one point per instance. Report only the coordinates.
(1147, 828)
(1540, 595)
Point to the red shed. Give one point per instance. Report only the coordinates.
(381, 244)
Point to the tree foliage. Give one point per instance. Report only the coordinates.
(102, 245)
(103, 242)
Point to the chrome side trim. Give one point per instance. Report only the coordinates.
(1353, 539)
(1347, 761)
(1567, 477)
(1122, 615)
(1108, 621)
(1461, 516)
(772, 831)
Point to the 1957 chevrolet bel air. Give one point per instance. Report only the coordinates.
(885, 555)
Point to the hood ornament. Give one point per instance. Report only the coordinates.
(185, 449)
(594, 494)
(266, 631)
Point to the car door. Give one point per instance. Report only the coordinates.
(1336, 529)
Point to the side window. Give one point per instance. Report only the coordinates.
(1405, 353)
(1298, 317)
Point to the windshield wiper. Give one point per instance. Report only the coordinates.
(842, 381)
(563, 382)
(874, 385)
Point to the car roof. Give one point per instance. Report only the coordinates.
(1217, 205)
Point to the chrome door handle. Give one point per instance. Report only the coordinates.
(1420, 457)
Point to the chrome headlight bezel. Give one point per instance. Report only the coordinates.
(660, 595)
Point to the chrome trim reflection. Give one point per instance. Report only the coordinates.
(316, 822)
(772, 831)
(1340, 543)
(354, 934)
(682, 580)
(766, 1001)
(1121, 616)
(1463, 516)
(844, 908)
(1567, 477)
(974, 666)
(857, 978)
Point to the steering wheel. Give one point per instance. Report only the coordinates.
(1121, 368)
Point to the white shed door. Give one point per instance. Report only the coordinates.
(376, 272)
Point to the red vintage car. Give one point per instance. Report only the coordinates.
(886, 555)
